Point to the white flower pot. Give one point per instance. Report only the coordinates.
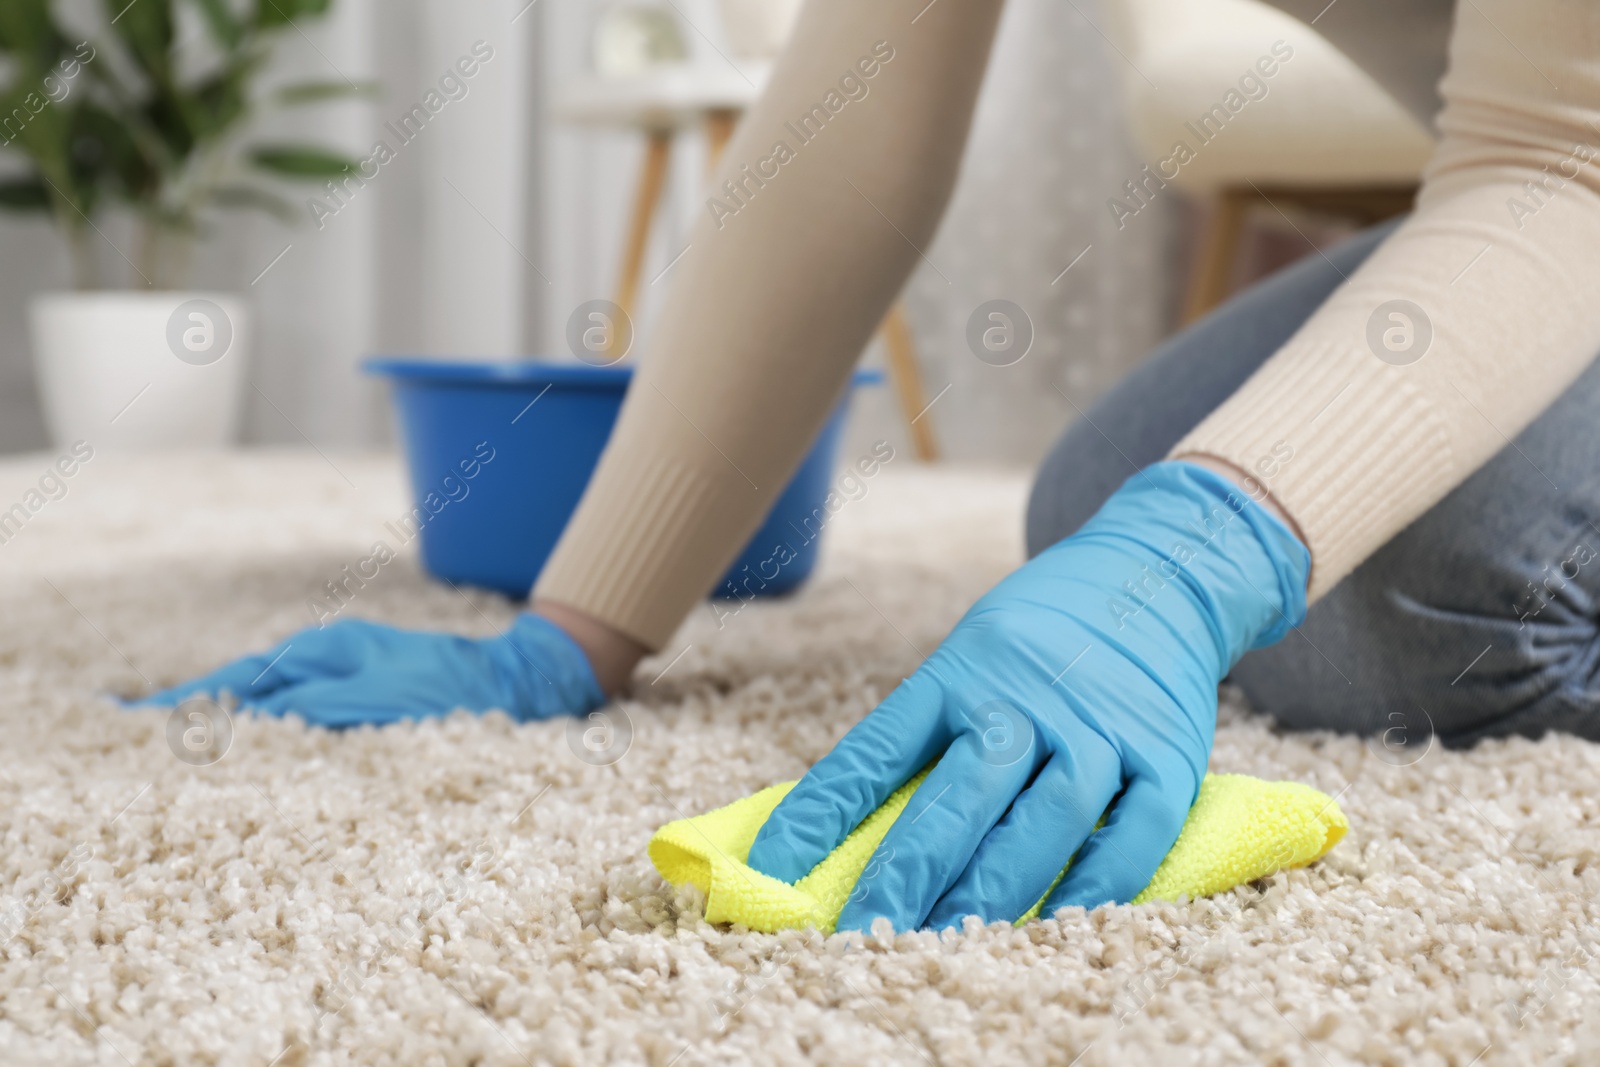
(137, 371)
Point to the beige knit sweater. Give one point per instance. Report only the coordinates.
(1450, 339)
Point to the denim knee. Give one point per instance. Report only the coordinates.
(1462, 645)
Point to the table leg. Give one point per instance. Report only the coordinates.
(652, 176)
(906, 376)
(1219, 248)
(719, 131)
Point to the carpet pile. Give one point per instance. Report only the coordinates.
(471, 891)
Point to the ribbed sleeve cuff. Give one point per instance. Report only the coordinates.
(1346, 444)
(622, 557)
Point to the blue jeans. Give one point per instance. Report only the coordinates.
(1480, 619)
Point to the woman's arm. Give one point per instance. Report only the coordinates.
(1401, 44)
(824, 197)
(1467, 323)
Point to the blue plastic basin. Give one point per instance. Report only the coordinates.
(499, 454)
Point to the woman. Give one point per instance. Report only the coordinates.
(1339, 437)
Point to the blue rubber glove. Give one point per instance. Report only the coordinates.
(356, 672)
(1087, 675)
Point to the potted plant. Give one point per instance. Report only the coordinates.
(149, 114)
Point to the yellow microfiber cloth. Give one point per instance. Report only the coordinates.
(1240, 829)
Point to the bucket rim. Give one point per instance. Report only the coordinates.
(426, 370)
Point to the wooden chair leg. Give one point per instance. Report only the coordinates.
(719, 131)
(652, 176)
(906, 376)
(1219, 248)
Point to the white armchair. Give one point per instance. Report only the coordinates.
(1317, 133)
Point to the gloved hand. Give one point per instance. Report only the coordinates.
(1088, 674)
(355, 672)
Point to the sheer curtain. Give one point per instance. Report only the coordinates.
(1049, 146)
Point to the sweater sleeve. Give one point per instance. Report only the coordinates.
(833, 182)
(1466, 324)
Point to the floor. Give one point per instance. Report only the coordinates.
(468, 891)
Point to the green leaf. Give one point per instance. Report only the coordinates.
(282, 12)
(136, 129)
(146, 28)
(213, 106)
(24, 194)
(249, 197)
(225, 26)
(105, 150)
(28, 32)
(42, 132)
(313, 92)
(301, 161)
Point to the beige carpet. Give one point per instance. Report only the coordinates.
(471, 892)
